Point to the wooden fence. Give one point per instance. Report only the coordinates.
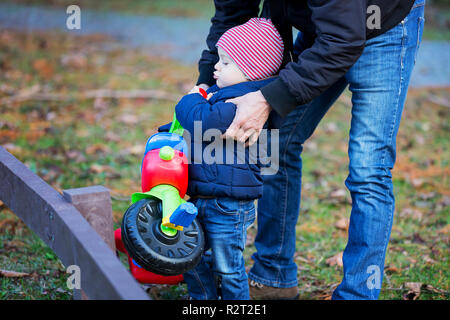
(57, 221)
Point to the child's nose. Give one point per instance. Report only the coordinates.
(216, 66)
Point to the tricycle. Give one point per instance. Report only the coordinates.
(159, 231)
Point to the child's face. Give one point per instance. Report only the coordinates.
(227, 72)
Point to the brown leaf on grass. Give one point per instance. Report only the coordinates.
(445, 230)
(128, 119)
(335, 260)
(76, 156)
(109, 172)
(324, 296)
(13, 244)
(97, 149)
(339, 193)
(417, 238)
(9, 225)
(12, 148)
(417, 183)
(44, 68)
(342, 224)
(111, 136)
(391, 269)
(137, 149)
(74, 60)
(12, 274)
(427, 259)
(413, 290)
(411, 213)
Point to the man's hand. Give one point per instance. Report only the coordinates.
(252, 111)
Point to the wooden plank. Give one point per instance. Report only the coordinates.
(60, 225)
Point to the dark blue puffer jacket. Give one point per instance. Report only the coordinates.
(242, 179)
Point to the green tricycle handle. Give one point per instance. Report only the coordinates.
(176, 126)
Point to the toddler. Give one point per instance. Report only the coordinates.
(224, 193)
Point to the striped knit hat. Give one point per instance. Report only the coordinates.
(255, 46)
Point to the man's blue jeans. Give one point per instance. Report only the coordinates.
(378, 82)
(225, 222)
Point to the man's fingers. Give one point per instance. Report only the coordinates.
(254, 137)
(246, 135)
(234, 100)
(231, 131)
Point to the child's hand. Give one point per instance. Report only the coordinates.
(201, 91)
(195, 89)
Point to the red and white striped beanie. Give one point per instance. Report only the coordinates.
(255, 46)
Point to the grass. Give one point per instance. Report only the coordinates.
(76, 143)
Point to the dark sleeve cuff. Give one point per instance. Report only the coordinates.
(279, 97)
(165, 127)
(206, 75)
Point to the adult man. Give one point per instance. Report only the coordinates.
(337, 46)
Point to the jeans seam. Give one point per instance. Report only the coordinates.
(391, 134)
(197, 277)
(419, 20)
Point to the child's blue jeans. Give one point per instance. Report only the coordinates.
(225, 222)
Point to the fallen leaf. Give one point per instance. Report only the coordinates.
(413, 290)
(342, 224)
(417, 183)
(97, 148)
(411, 213)
(417, 238)
(74, 60)
(43, 67)
(13, 274)
(335, 260)
(392, 269)
(75, 155)
(12, 148)
(110, 172)
(426, 258)
(339, 193)
(137, 149)
(445, 230)
(129, 119)
(111, 136)
(9, 225)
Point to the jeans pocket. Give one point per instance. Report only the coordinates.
(227, 206)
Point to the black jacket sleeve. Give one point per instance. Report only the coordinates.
(340, 27)
(340, 38)
(229, 13)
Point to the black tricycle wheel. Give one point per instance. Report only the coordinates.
(154, 250)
